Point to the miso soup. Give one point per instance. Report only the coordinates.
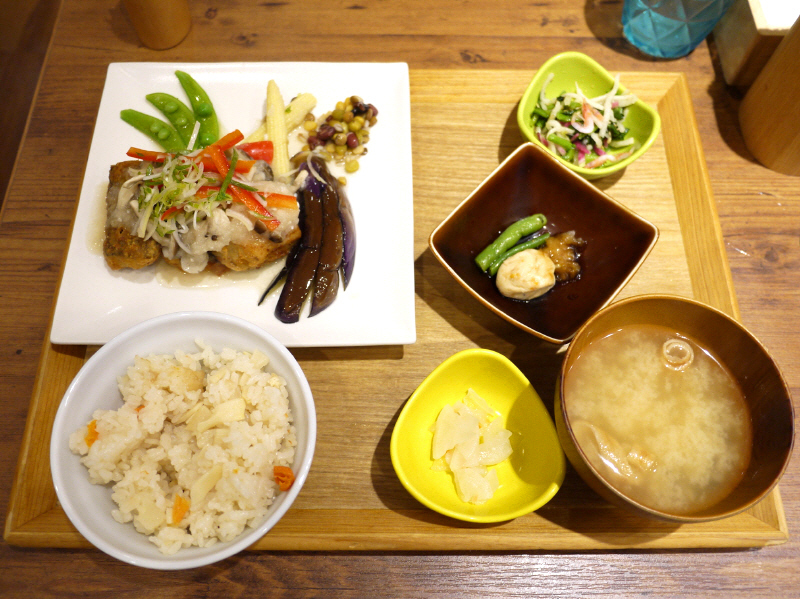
(660, 418)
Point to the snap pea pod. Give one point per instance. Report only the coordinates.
(160, 132)
(527, 245)
(203, 110)
(509, 238)
(178, 114)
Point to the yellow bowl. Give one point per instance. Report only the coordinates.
(528, 479)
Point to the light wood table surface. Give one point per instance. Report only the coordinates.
(759, 216)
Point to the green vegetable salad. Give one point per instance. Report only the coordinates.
(588, 132)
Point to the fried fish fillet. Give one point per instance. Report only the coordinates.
(122, 248)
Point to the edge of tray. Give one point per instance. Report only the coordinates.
(35, 519)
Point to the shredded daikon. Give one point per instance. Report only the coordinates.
(195, 133)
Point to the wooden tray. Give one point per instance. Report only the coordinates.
(463, 125)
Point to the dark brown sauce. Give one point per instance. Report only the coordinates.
(564, 250)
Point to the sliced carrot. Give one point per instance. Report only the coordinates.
(242, 166)
(179, 508)
(279, 200)
(284, 477)
(226, 142)
(91, 434)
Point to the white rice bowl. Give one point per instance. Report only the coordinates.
(239, 517)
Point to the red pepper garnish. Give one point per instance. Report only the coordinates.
(170, 211)
(148, 155)
(223, 143)
(242, 196)
(242, 166)
(259, 150)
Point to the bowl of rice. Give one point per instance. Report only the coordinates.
(183, 440)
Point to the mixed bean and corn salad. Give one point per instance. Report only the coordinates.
(341, 135)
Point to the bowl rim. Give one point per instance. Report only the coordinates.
(402, 474)
(537, 148)
(248, 536)
(574, 56)
(659, 514)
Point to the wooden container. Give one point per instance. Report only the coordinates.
(747, 35)
(160, 24)
(352, 500)
(768, 113)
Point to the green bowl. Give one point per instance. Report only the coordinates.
(529, 478)
(569, 68)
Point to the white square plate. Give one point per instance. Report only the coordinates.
(95, 303)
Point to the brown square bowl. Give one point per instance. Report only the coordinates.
(531, 181)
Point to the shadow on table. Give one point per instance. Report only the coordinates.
(604, 20)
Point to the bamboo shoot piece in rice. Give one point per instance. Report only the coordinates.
(467, 439)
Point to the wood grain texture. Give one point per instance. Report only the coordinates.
(356, 410)
(24, 34)
(758, 211)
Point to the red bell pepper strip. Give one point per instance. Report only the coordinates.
(224, 143)
(148, 155)
(170, 211)
(242, 196)
(259, 150)
(204, 191)
(242, 166)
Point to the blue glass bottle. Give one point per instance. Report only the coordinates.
(670, 28)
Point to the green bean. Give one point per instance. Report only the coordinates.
(561, 141)
(160, 132)
(509, 238)
(528, 245)
(203, 110)
(540, 112)
(178, 114)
